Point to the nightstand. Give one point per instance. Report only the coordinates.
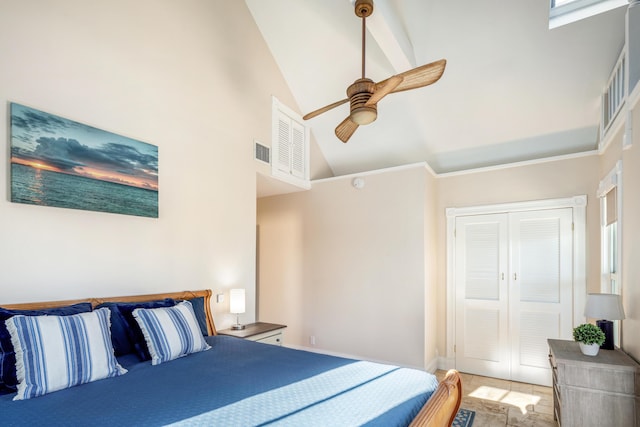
(600, 390)
(267, 333)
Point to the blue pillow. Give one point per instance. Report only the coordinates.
(8, 380)
(119, 335)
(201, 316)
(126, 335)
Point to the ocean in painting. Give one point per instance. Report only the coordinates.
(41, 187)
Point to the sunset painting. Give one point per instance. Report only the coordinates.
(62, 163)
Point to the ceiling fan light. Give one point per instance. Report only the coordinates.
(363, 115)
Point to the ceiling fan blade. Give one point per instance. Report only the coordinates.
(346, 129)
(421, 76)
(324, 109)
(381, 91)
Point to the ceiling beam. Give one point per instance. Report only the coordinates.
(386, 28)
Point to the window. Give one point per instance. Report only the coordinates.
(556, 4)
(610, 192)
(610, 281)
(562, 12)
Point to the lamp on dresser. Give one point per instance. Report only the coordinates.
(236, 306)
(606, 307)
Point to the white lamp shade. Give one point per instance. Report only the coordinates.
(236, 301)
(604, 306)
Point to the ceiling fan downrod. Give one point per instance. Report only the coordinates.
(364, 8)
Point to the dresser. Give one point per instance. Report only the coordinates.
(600, 390)
(267, 333)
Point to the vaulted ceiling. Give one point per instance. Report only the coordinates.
(513, 90)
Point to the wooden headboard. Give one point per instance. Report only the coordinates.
(184, 295)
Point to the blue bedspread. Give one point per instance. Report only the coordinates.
(236, 383)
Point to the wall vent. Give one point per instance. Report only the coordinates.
(262, 153)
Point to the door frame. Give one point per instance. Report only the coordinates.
(579, 205)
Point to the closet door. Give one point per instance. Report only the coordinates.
(481, 295)
(540, 289)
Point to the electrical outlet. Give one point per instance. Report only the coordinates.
(312, 340)
(219, 298)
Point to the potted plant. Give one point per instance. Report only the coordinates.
(590, 337)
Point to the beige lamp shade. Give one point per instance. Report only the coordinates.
(604, 306)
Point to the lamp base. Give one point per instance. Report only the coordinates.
(607, 327)
(237, 327)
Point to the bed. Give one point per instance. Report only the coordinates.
(231, 382)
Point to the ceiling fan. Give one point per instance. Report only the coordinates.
(364, 94)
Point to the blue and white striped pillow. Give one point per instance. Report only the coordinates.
(58, 352)
(170, 332)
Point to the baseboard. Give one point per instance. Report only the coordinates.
(432, 366)
(446, 363)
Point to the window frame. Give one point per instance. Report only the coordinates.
(611, 273)
(580, 9)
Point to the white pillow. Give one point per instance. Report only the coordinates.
(78, 350)
(170, 332)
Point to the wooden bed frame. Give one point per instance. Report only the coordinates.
(442, 407)
(439, 411)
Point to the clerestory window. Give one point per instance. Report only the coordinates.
(563, 12)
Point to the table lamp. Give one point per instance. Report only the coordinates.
(606, 307)
(236, 306)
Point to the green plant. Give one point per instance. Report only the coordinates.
(588, 334)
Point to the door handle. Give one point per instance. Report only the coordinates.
(515, 276)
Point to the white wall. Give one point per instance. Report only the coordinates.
(193, 77)
(631, 242)
(320, 251)
(348, 267)
(281, 264)
(431, 303)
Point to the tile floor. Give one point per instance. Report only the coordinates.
(506, 403)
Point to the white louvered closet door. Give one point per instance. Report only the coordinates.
(514, 290)
(540, 289)
(482, 341)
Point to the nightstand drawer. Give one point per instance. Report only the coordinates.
(274, 338)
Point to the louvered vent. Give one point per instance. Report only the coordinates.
(262, 153)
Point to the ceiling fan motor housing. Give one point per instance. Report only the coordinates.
(359, 93)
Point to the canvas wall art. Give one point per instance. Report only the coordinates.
(62, 163)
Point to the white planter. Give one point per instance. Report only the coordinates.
(589, 349)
